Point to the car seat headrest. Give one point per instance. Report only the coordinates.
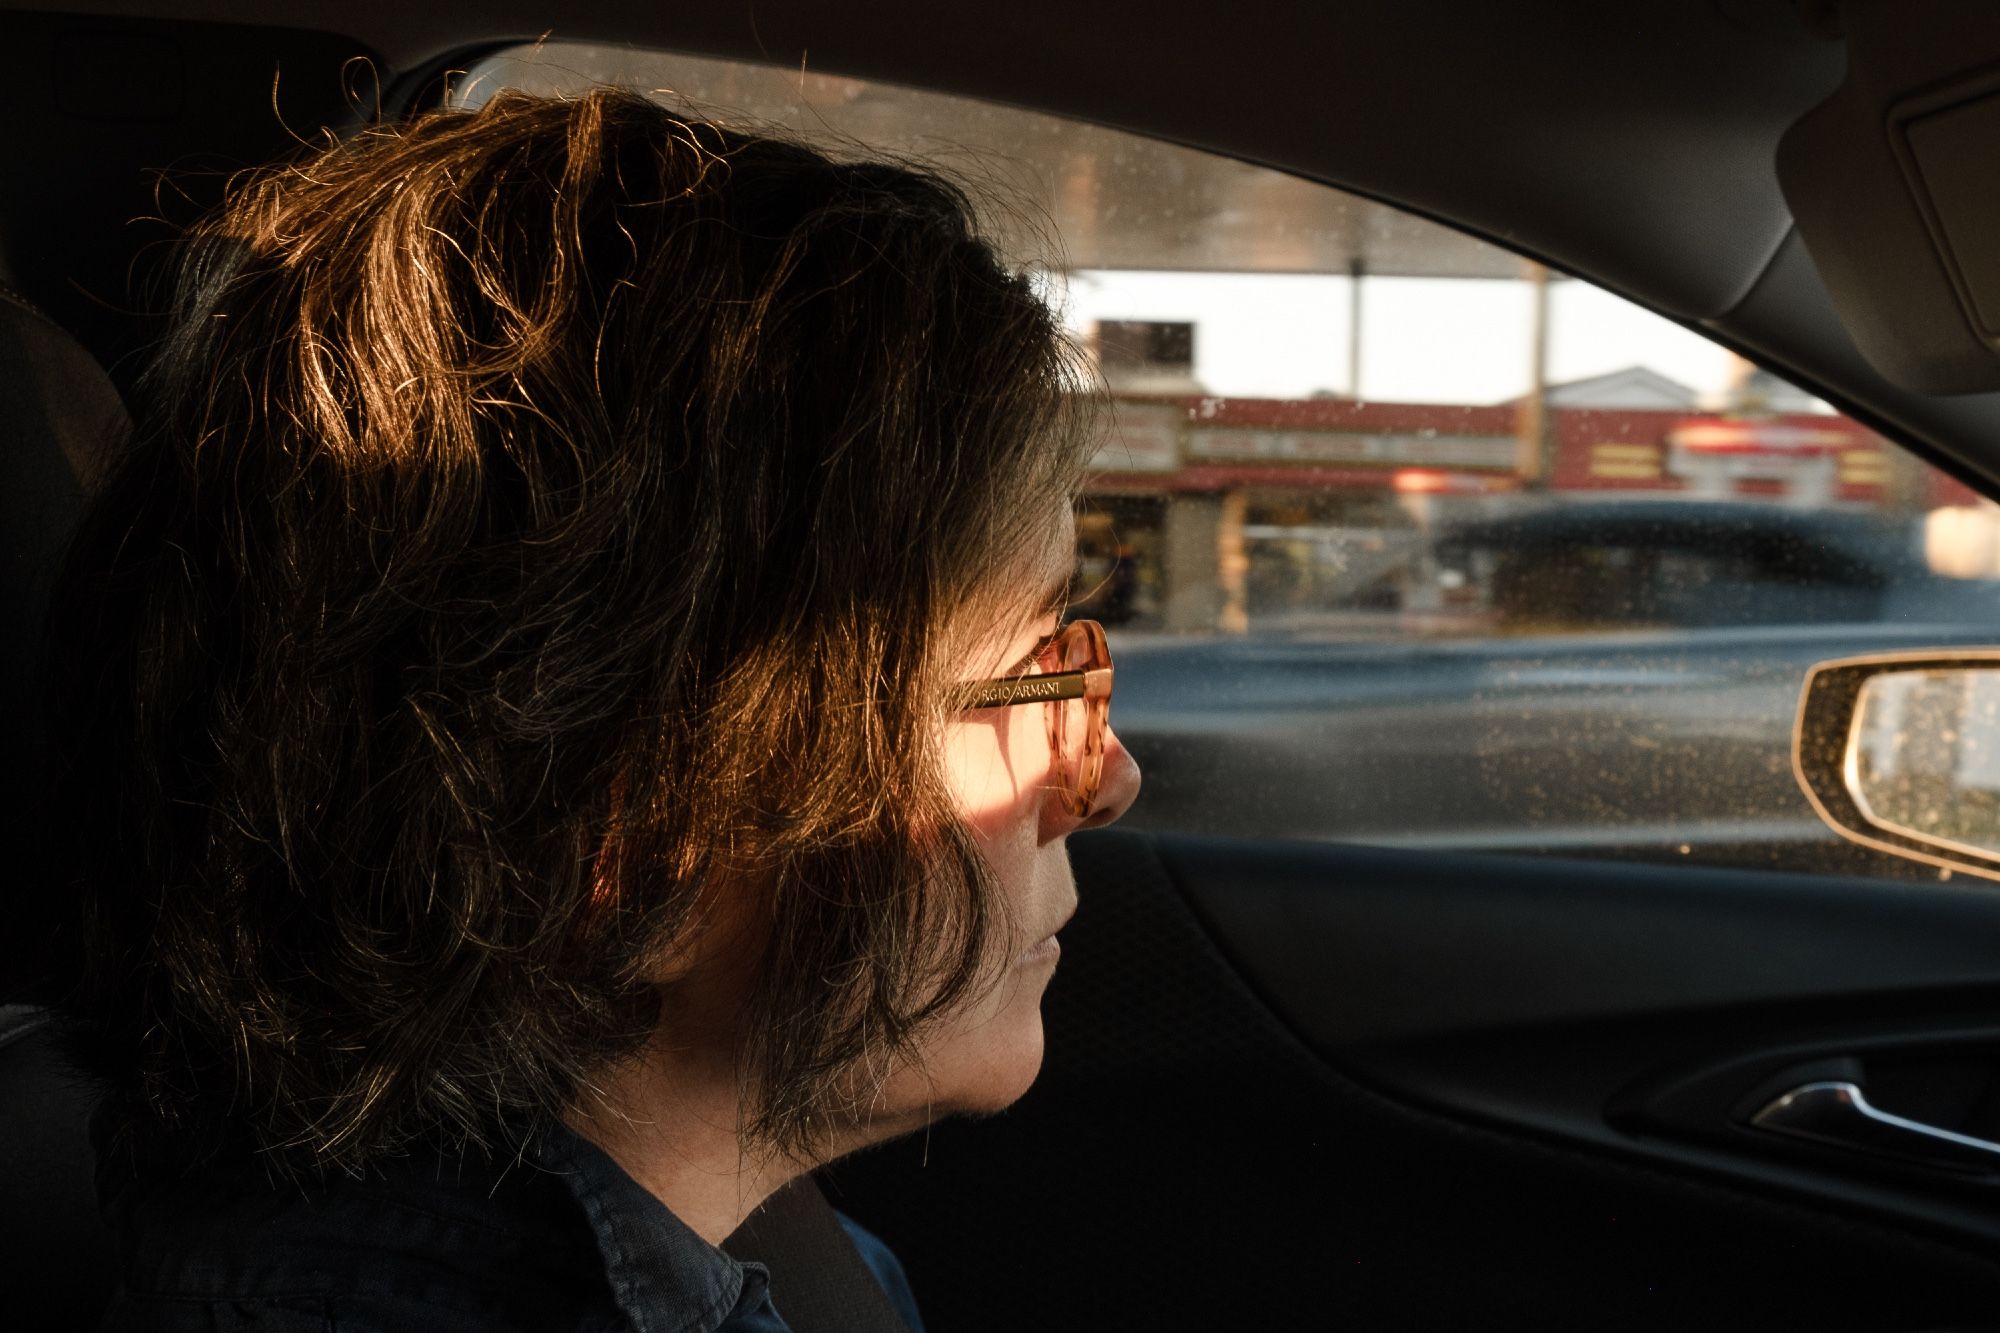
(61, 424)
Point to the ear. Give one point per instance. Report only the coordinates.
(722, 939)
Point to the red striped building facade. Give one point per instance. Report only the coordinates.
(1203, 444)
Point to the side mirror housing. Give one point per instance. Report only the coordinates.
(1901, 752)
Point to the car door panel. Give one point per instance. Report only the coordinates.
(1319, 1086)
(1633, 1008)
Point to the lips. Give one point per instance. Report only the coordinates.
(1047, 947)
(1047, 951)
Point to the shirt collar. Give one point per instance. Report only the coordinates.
(666, 1278)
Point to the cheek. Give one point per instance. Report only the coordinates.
(999, 769)
(986, 1054)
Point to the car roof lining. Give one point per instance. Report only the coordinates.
(1663, 190)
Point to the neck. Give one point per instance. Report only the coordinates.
(675, 1125)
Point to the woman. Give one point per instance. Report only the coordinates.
(559, 723)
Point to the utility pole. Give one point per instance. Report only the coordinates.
(1533, 453)
(1355, 269)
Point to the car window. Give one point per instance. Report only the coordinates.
(1402, 539)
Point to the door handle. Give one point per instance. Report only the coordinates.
(1839, 1113)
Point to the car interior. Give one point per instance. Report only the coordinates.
(1290, 1082)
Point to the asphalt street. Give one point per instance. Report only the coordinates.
(1656, 745)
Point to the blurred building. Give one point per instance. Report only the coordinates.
(1204, 509)
(1635, 388)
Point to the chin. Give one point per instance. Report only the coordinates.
(1004, 1078)
(971, 1071)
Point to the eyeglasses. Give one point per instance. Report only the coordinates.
(1073, 677)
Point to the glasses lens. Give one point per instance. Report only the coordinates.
(1076, 726)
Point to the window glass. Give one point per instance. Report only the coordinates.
(1400, 538)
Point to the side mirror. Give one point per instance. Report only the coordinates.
(1901, 752)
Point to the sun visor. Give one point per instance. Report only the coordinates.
(1894, 183)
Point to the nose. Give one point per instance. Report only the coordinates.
(1117, 788)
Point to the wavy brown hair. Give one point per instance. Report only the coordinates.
(541, 519)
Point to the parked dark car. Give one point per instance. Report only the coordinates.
(1701, 564)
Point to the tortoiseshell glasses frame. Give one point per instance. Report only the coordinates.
(1074, 680)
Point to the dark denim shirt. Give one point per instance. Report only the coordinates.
(561, 1239)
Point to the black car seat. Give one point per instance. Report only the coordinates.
(60, 416)
(60, 420)
(56, 1259)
